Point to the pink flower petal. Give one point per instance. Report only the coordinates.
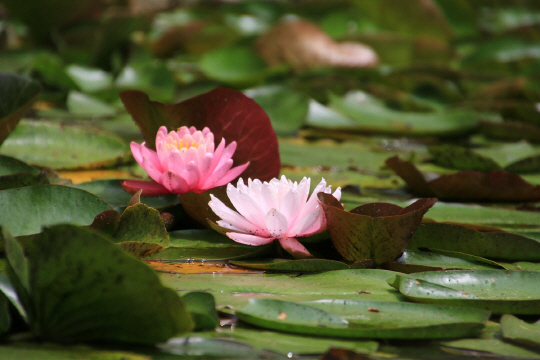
(249, 239)
(235, 219)
(293, 247)
(176, 162)
(149, 188)
(246, 206)
(151, 170)
(174, 183)
(276, 223)
(232, 174)
(151, 157)
(217, 175)
(136, 151)
(309, 224)
(290, 205)
(191, 175)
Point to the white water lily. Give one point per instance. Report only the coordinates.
(276, 210)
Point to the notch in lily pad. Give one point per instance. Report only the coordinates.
(377, 231)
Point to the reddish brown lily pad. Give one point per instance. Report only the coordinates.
(495, 185)
(227, 113)
(378, 231)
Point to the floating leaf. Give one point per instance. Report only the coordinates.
(81, 287)
(371, 319)
(518, 158)
(302, 265)
(211, 348)
(304, 45)
(468, 347)
(378, 231)
(22, 180)
(233, 65)
(492, 245)
(519, 331)
(286, 108)
(201, 245)
(500, 291)
(85, 105)
(11, 166)
(202, 308)
(236, 289)
(25, 350)
(495, 185)
(412, 261)
(17, 94)
(32, 207)
(65, 147)
(371, 114)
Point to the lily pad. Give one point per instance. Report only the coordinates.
(32, 207)
(18, 94)
(488, 346)
(73, 281)
(519, 331)
(65, 146)
(492, 245)
(202, 308)
(361, 319)
(377, 231)
(203, 245)
(10, 166)
(418, 261)
(372, 115)
(499, 291)
(302, 265)
(518, 158)
(495, 185)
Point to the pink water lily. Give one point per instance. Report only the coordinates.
(275, 210)
(184, 160)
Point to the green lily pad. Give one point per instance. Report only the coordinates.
(236, 289)
(371, 319)
(202, 245)
(32, 207)
(78, 286)
(418, 261)
(85, 105)
(488, 346)
(235, 65)
(202, 308)
(518, 158)
(293, 344)
(519, 331)
(65, 147)
(22, 180)
(302, 265)
(371, 115)
(377, 231)
(10, 166)
(17, 94)
(500, 291)
(492, 245)
(286, 107)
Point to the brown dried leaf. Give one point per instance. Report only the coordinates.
(495, 185)
(378, 231)
(304, 45)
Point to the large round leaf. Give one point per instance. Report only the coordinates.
(26, 210)
(79, 286)
(64, 147)
(371, 319)
(500, 291)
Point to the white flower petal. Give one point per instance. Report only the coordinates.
(232, 217)
(293, 247)
(276, 223)
(249, 239)
(312, 222)
(246, 206)
(290, 205)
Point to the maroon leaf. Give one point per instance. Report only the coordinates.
(495, 185)
(377, 231)
(227, 113)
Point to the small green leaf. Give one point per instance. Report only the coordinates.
(500, 291)
(519, 331)
(85, 105)
(236, 65)
(82, 287)
(202, 308)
